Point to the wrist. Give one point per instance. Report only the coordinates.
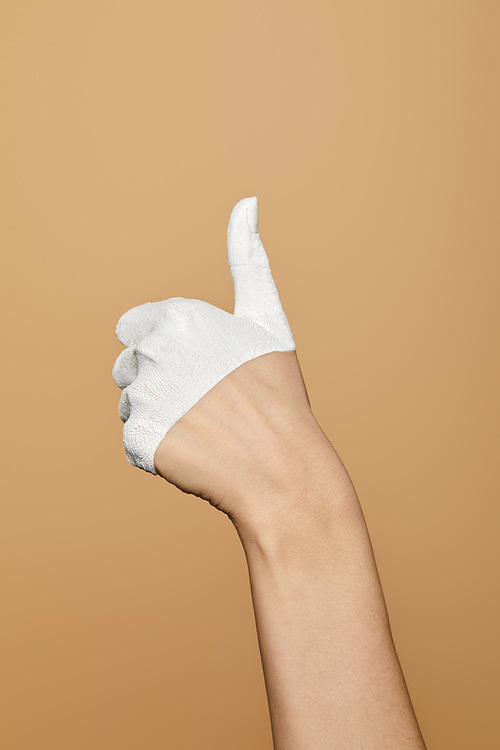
(314, 500)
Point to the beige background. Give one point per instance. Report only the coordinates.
(369, 132)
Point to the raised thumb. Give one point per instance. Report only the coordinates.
(255, 293)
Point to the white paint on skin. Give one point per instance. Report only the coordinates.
(178, 349)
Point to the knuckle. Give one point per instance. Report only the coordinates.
(135, 396)
(124, 368)
(135, 437)
(149, 347)
(179, 308)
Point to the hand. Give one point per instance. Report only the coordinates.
(215, 403)
(201, 404)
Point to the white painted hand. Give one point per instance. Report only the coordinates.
(178, 349)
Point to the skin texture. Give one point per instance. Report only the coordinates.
(252, 447)
(239, 464)
(215, 403)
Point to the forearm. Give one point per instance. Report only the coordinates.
(332, 673)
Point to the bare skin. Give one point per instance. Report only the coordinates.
(253, 449)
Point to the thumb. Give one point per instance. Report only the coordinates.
(255, 293)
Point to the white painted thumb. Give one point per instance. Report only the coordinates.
(255, 293)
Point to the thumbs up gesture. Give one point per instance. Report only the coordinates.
(192, 414)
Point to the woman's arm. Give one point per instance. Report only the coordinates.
(254, 449)
(216, 404)
(332, 674)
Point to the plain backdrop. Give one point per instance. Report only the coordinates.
(369, 133)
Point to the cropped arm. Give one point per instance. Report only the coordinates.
(332, 674)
